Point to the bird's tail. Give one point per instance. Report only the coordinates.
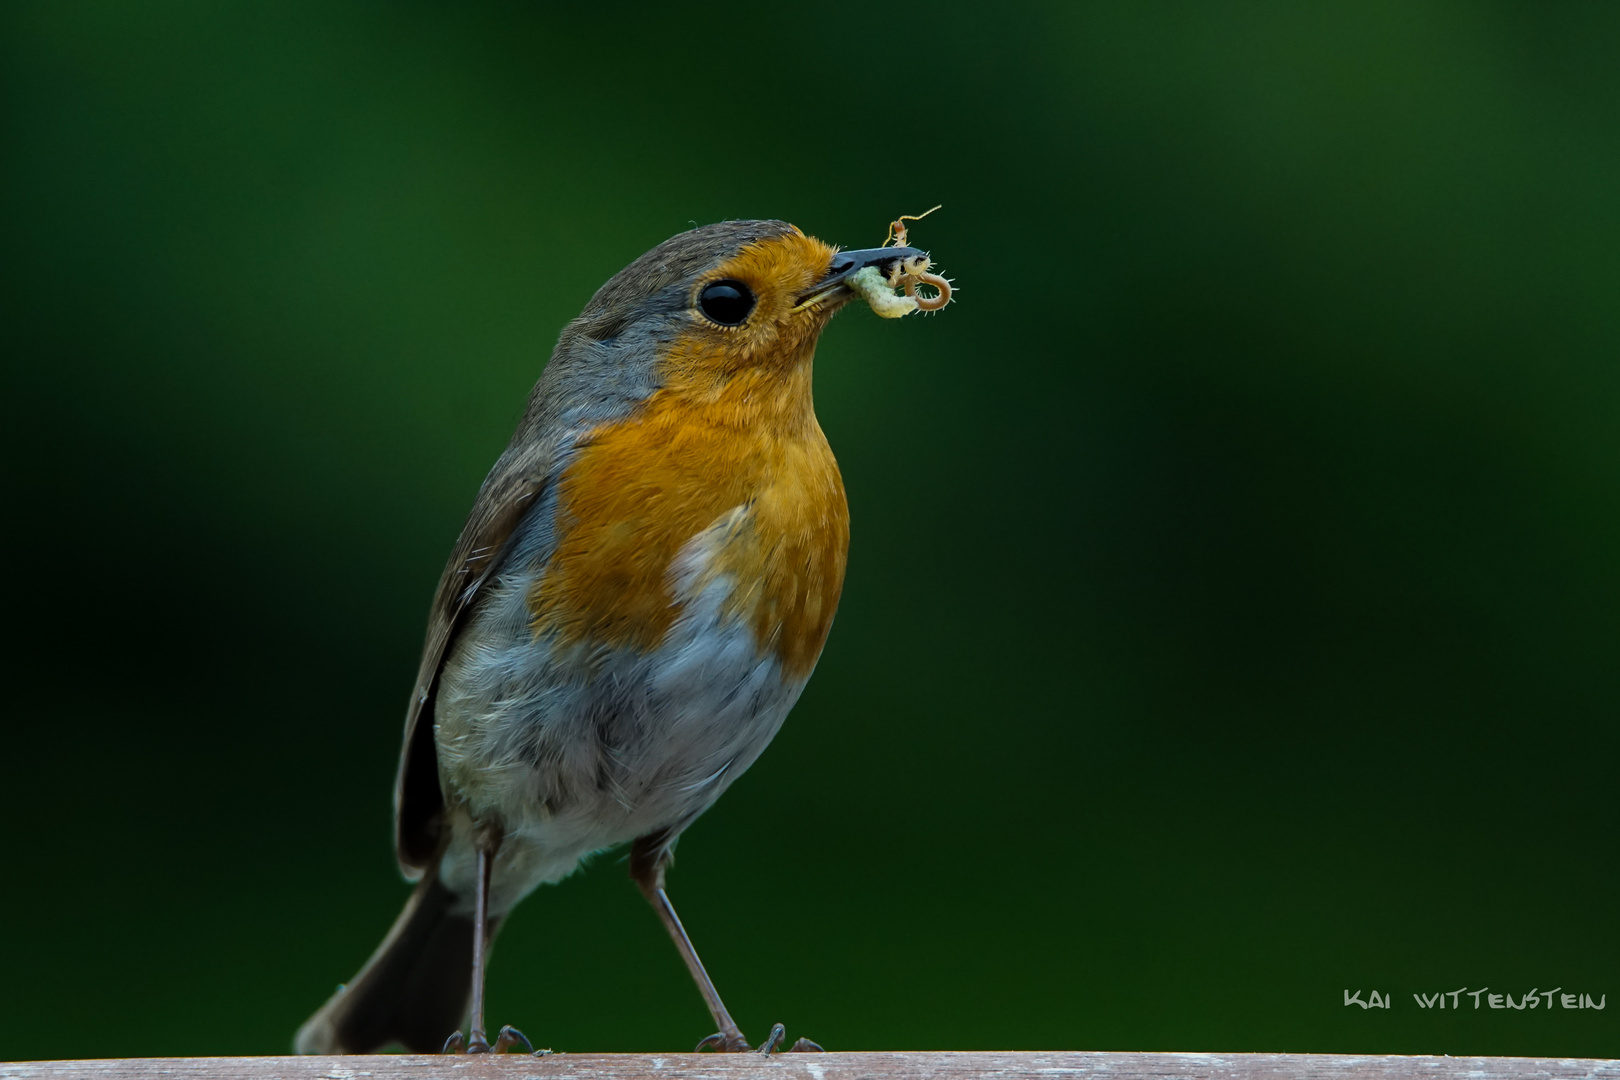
(413, 991)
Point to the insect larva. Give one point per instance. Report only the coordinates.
(942, 294)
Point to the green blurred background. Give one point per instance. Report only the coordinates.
(1233, 613)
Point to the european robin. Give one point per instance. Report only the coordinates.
(637, 599)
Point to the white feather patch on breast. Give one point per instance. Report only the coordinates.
(577, 749)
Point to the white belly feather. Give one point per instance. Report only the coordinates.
(579, 749)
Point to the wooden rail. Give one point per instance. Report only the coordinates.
(1010, 1065)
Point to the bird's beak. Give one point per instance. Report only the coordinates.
(845, 263)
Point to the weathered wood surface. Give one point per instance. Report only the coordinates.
(1010, 1065)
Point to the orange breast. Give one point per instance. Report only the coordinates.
(640, 489)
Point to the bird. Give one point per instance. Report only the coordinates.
(643, 586)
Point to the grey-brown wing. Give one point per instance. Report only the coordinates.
(512, 488)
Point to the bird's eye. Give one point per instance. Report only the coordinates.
(726, 302)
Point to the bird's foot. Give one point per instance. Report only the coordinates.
(732, 1042)
(476, 1043)
(723, 1043)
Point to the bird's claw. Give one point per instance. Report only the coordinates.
(476, 1043)
(722, 1042)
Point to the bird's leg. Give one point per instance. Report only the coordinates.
(648, 858)
(477, 1042)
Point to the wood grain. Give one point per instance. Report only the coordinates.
(1010, 1065)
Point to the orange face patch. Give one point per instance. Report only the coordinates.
(777, 332)
(732, 426)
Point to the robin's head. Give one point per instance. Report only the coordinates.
(704, 307)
